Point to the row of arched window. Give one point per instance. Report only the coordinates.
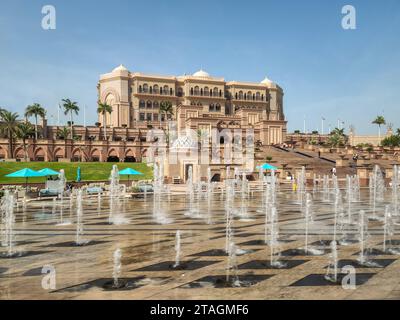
(163, 90)
(249, 96)
(214, 107)
(149, 104)
(197, 91)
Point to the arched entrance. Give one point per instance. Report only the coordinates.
(40, 155)
(216, 178)
(113, 156)
(95, 156)
(130, 156)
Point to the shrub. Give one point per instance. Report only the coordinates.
(392, 141)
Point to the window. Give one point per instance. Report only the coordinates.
(257, 96)
(236, 95)
(145, 88)
(180, 92)
(148, 116)
(191, 91)
(151, 89)
(140, 89)
(171, 92)
(141, 116)
(249, 95)
(211, 92)
(215, 92)
(252, 118)
(149, 105)
(241, 95)
(191, 114)
(245, 96)
(218, 107)
(165, 89)
(142, 104)
(220, 93)
(196, 90)
(156, 89)
(155, 105)
(206, 91)
(155, 116)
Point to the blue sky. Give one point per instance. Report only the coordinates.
(325, 70)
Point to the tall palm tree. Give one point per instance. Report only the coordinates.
(166, 109)
(35, 110)
(103, 109)
(70, 107)
(25, 131)
(380, 120)
(8, 124)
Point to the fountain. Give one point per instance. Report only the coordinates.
(98, 203)
(377, 190)
(8, 220)
(388, 232)
(79, 220)
(117, 267)
(363, 258)
(232, 268)
(177, 248)
(332, 270)
(395, 190)
(274, 242)
(114, 193)
(301, 185)
(325, 188)
(158, 186)
(308, 218)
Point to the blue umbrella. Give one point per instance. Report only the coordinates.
(78, 174)
(267, 166)
(48, 172)
(25, 173)
(129, 172)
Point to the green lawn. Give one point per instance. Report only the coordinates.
(90, 171)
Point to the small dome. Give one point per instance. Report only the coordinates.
(184, 142)
(201, 74)
(267, 81)
(120, 68)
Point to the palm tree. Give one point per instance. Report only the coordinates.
(380, 120)
(337, 137)
(25, 131)
(166, 109)
(103, 109)
(35, 110)
(63, 133)
(70, 107)
(9, 126)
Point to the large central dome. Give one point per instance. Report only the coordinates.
(201, 74)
